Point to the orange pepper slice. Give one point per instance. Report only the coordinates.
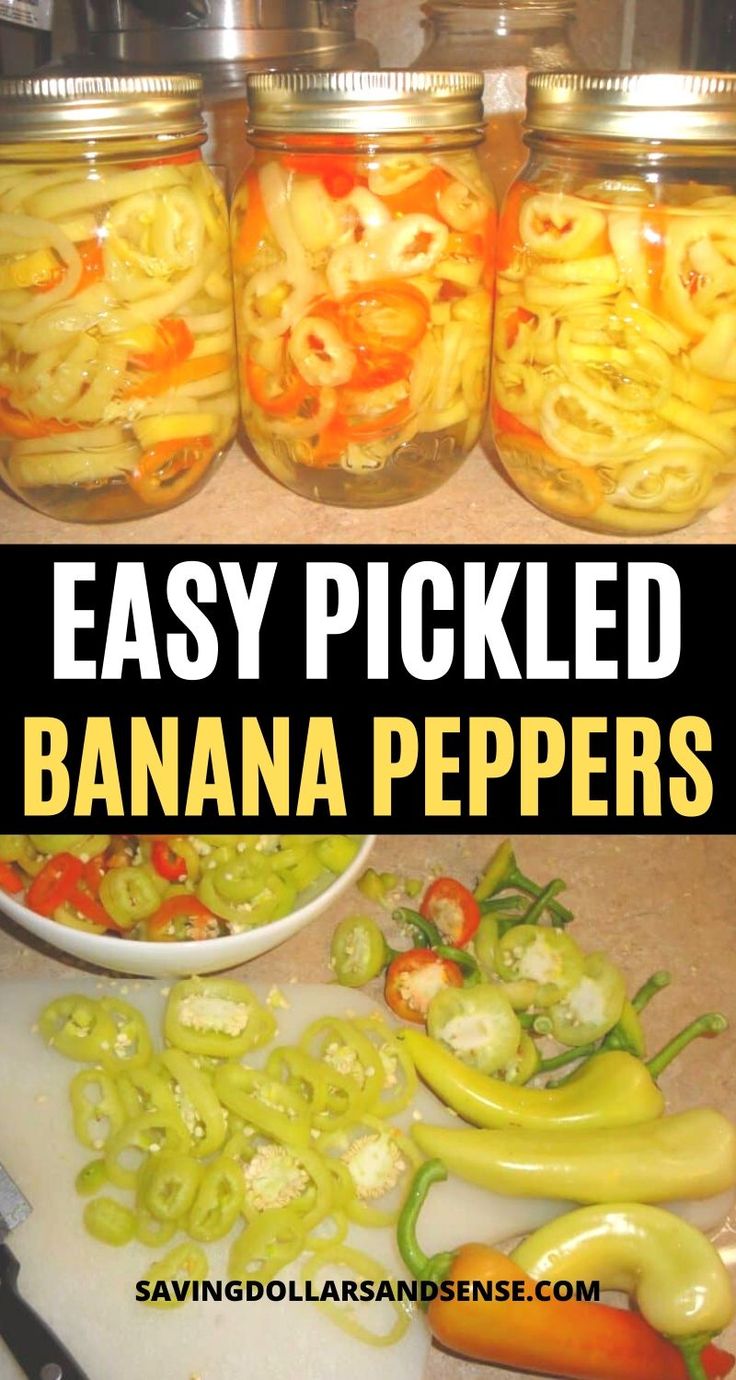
(174, 343)
(93, 268)
(189, 371)
(166, 471)
(509, 234)
(264, 389)
(253, 225)
(384, 316)
(421, 197)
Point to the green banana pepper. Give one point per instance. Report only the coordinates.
(218, 1201)
(168, 1186)
(109, 1221)
(129, 894)
(525, 1063)
(150, 1231)
(216, 1017)
(78, 1027)
(198, 1103)
(612, 1089)
(399, 1076)
(288, 1176)
(91, 1178)
(147, 1090)
(341, 1046)
(689, 1155)
(292, 1066)
(150, 1133)
(547, 957)
(186, 1262)
(593, 1006)
(267, 1245)
(243, 891)
(97, 1110)
(276, 1110)
(670, 1269)
(132, 1046)
(381, 1161)
(476, 1023)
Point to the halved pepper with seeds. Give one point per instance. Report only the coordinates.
(216, 1017)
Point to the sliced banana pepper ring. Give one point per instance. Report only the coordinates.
(670, 479)
(635, 379)
(590, 431)
(521, 389)
(560, 226)
(699, 277)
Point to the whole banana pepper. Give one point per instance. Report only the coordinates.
(669, 1268)
(611, 1089)
(689, 1155)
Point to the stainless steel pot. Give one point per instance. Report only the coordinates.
(221, 37)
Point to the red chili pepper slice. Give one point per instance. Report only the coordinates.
(94, 871)
(453, 909)
(167, 862)
(414, 978)
(55, 883)
(10, 880)
(88, 906)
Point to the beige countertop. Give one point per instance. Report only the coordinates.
(242, 503)
(651, 902)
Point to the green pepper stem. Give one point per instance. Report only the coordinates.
(656, 983)
(421, 1266)
(543, 902)
(712, 1023)
(429, 932)
(567, 1056)
(542, 1025)
(691, 1349)
(465, 961)
(511, 901)
(562, 916)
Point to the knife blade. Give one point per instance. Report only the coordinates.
(38, 1351)
(14, 1206)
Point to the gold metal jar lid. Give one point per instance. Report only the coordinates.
(99, 107)
(393, 101)
(657, 106)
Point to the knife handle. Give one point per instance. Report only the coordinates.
(36, 1348)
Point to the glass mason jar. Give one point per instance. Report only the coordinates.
(362, 245)
(505, 39)
(222, 40)
(614, 379)
(118, 387)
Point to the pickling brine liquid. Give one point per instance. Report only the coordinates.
(118, 388)
(363, 305)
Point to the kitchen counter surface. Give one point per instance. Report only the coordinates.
(243, 504)
(651, 902)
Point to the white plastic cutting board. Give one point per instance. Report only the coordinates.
(85, 1290)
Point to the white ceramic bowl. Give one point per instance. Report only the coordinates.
(182, 958)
